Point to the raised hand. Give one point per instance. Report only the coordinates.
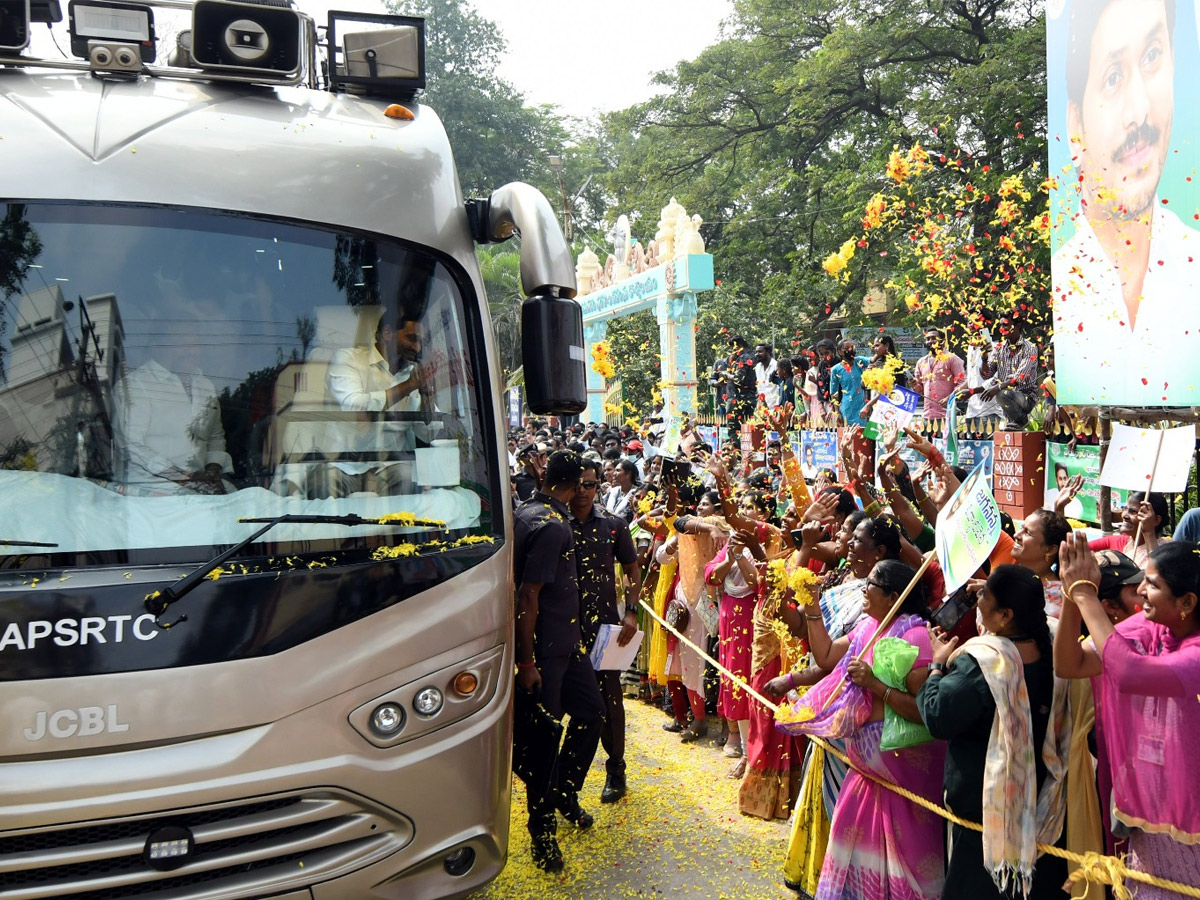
(918, 442)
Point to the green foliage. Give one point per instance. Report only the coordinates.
(496, 137)
(500, 265)
(635, 351)
(19, 247)
(778, 135)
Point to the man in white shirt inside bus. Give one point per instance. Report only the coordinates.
(1126, 310)
(383, 377)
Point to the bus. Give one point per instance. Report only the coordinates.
(256, 609)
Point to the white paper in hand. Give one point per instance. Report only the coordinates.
(607, 654)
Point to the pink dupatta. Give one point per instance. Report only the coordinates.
(850, 710)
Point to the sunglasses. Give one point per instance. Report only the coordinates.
(589, 485)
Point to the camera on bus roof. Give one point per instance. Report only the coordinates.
(247, 36)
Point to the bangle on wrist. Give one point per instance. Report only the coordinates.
(527, 665)
(1077, 582)
(791, 681)
(886, 694)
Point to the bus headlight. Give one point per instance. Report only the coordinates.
(428, 701)
(387, 719)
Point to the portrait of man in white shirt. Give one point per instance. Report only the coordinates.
(1125, 286)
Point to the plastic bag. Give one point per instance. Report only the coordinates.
(709, 610)
(894, 658)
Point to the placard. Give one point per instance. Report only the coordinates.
(967, 530)
(817, 450)
(1136, 453)
(898, 408)
(1063, 464)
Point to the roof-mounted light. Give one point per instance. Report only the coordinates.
(96, 23)
(387, 59)
(259, 37)
(14, 25)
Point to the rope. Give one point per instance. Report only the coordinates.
(1092, 867)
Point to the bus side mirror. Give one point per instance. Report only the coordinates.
(553, 355)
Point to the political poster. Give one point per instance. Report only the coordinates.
(967, 530)
(1125, 201)
(1063, 464)
(817, 450)
(710, 435)
(972, 453)
(896, 409)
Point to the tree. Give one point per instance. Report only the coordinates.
(779, 134)
(500, 265)
(19, 247)
(496, 137)
(962, 248)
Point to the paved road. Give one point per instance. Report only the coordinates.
(676, 834)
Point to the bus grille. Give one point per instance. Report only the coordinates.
(265, 846)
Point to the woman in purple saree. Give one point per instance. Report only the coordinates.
(881, 846)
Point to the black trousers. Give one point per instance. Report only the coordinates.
(612, 728)
(569, 688)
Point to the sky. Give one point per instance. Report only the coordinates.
(582, 58)
(586, 58)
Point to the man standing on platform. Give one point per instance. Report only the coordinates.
(1016, 363)
(601, 541)
(551, 666)
(765, 367)
(938, 373)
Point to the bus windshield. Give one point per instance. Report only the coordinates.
(165, 372)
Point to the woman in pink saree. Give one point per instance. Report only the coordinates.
(881, 846)
(1146, 674)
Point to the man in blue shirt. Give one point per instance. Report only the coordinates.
(845, 384)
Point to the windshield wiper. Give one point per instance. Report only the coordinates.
(4, 543)
(157, 602)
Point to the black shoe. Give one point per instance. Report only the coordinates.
(674, 726)
(694, 732)
(546, 855)
(614, 789)
(574, 813)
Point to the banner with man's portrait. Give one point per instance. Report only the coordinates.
(1125, 216)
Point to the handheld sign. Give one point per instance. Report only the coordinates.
(897, 408)
(968, 528)
(1149, 459)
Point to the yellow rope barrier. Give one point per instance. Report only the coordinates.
(1092, 867)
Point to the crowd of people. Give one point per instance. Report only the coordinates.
(826, 384)
(1052, 699)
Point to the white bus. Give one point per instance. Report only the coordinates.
(255, 578)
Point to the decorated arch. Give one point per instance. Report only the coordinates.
(665, 275)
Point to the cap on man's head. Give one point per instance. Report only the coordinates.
(634, 445)
(1116, 571)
